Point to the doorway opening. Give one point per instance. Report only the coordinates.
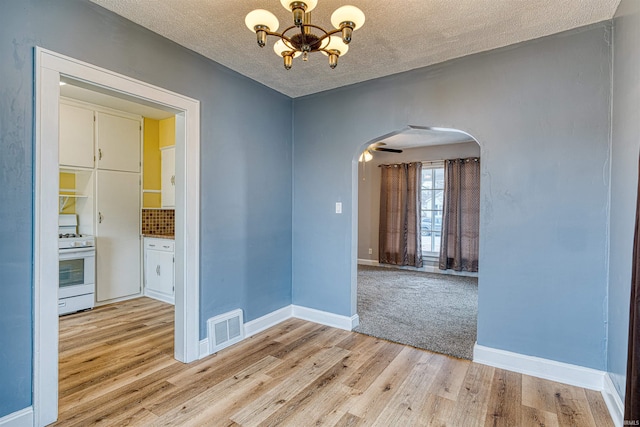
(422, 306)
(50, 69)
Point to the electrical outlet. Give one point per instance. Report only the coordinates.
(338, 207)
(370, 251)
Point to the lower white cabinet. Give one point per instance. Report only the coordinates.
(159, 272)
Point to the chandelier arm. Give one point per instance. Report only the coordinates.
(279, 35)
(328, 34)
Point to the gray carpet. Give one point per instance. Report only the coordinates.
(426, 310)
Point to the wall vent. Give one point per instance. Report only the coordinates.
(225, 330)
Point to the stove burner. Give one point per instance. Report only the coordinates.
(69, 235)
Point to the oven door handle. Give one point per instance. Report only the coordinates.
(69, 253)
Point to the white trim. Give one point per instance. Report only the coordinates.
(21, 418)
(49, 67)
(425, 268)
(326, 318)
(159, 296)
(538, 367)
(613, 401)
(203, 348)
(267, 321)
(272, 319)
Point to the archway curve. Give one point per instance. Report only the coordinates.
(355, 193)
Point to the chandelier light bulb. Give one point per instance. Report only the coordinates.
(261, 18)
(299, 8)
(348, 19)
(336, 44)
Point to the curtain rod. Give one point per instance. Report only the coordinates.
(475, 159)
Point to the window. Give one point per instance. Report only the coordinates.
(431, 209)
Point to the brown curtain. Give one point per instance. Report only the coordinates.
(632, 394)
(461, 215)
(400, 240)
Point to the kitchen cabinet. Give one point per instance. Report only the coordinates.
(118, 272)
(159, 273)
(118, 142)
(168, 177)
(76, 136)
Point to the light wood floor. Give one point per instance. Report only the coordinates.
(117, 368)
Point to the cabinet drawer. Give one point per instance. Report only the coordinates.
(166, 245)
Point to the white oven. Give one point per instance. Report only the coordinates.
(77, 279)
(77, 271)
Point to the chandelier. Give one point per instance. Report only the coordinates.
(303, 37)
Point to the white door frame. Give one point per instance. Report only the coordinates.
(49, 66)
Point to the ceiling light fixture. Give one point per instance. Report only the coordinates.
(309, 38)
(366, 156)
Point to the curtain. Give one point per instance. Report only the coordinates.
(632, 394)
(461, 215)
(400, 240)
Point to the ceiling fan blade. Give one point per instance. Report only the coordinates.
(389, 150)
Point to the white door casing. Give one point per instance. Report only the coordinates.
(49, 66)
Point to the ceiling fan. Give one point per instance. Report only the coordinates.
(367, 154)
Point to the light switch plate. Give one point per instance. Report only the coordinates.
(338, 207)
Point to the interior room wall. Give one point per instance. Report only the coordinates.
(245, 202)
(369, 187)
(624, 182)
(540, 111)
(151, 164)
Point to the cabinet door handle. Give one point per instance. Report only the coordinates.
(173, 180)
(100, 217)
(166, 246)
(99, 153)
(158, 270)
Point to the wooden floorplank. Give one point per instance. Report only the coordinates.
(505, 401)
(472, 401)
(117, 369)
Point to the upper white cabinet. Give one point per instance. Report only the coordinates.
(76, 136)
(168, 175)
(117, 142)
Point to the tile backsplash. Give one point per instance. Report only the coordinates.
(160, 222)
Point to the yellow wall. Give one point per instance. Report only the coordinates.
(151, 166)
(68, 182)
(167, 132)
(157, 134)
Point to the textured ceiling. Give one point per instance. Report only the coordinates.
(397, 35)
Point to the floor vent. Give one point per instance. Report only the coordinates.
(225, 330)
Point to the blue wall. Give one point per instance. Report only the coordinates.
(540, 112)
(246, 171)
(624, 182)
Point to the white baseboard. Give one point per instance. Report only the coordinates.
(613, 401)
(203, 348)
(169, 299)
(425, 268)
(21, 418)
(272, 319)
(326, 318)
(542, 368)
(267, 321)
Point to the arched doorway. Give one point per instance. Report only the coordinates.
(424, 307)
